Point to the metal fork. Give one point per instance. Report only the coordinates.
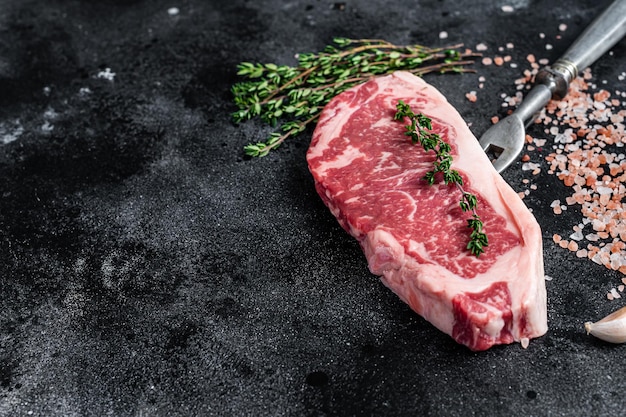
(505, 139)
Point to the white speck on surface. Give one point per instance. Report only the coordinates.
(548, 46)
(47, 127)
(507, 8)
(50, 114)
(84, 91)
(10, 132)
(443, 35)
(106, 74)
(107, 267)
(80, 265)
(173, 11)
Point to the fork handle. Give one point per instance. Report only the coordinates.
(600, 36)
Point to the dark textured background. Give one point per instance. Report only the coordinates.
(148, 269)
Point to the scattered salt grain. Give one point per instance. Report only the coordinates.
(548, 46)
(587, 129)
(106, 74)
(530, 166)
(562, 27)
(481, 47)
(443, 35)
(173, 11)
(50, 114)
(47, 127)
(10, 131)
(507, 9)
(577, 236)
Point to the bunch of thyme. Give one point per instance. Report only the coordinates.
(420, 131)
(295, 96)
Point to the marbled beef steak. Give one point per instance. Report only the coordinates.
(414, 235)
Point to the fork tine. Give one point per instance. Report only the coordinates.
(506, 158)
(505, 140)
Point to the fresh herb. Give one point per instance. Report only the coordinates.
(276, 93)
(420, 131)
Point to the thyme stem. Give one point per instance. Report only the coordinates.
(295, 96)
(420, 131)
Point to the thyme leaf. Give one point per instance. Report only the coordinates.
(420, 131)
(291, 98)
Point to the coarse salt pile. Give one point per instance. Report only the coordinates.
(588, 135)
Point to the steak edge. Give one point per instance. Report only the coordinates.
(414, 235)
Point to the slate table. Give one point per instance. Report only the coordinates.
(147, 268)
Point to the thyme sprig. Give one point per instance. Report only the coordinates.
(420, 131)
(295, 96)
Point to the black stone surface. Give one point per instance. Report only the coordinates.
(148, 269)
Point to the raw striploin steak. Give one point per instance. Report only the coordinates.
(414, 235)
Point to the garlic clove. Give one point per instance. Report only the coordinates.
(611, 329)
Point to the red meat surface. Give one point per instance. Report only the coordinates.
(413, 234)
